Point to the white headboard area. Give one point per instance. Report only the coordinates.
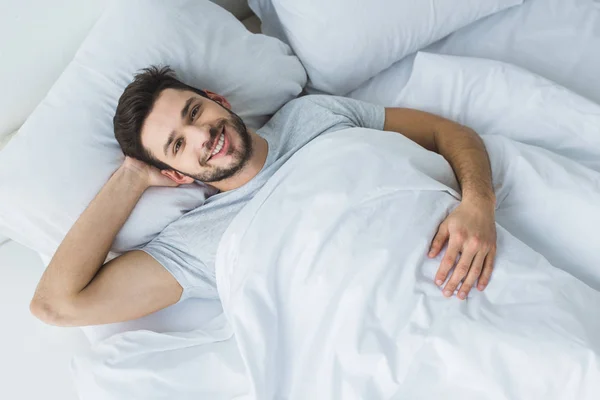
(42, 38)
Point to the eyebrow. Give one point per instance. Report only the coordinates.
(169, 141)
(184, 112)
(186, 108)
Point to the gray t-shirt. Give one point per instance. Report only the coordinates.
(187, 247)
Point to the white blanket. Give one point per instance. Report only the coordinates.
(325, 280)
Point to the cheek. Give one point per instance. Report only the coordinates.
(185, 163)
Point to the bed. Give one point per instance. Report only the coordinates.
(556, 40)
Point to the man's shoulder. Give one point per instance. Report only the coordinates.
(321, 100)
(308, 101)
(301, 108)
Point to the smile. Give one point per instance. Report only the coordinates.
(219, 144)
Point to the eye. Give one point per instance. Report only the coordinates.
(177, 146)
(194, 112)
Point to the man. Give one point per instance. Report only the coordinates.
(173, 134)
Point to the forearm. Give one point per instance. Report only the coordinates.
(84, 249)
(459, 145)
(466, 153)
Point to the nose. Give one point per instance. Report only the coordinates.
(197, 137)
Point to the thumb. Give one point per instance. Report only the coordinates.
(439, 240)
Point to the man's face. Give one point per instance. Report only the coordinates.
(196, 136)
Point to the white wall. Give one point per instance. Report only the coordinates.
(34, 358)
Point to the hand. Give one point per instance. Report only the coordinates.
(471, 231)
(150, 175)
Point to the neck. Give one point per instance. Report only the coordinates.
(254, 165)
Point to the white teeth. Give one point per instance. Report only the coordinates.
(219, 145)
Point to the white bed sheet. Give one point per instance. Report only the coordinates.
(36, 358)
(557, 39)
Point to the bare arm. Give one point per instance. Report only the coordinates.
(459, 145)
(77, 289)
(470, 229)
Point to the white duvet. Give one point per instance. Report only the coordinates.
(325, 280)
(328, 291)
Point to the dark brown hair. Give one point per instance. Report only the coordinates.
(135, 104)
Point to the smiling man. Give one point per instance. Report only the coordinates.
(174, 134)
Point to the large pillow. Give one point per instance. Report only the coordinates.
(66, 150)
(343, 43)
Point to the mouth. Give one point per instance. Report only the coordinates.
(220, 146)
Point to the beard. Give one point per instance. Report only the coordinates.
(240, 156)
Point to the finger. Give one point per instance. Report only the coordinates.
(447, 262)
(439, 241)
(460, 272)
(474, 273)
(486, 273)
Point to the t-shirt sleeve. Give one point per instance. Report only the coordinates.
(357, 113)
(171, 251)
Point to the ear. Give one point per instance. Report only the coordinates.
(218, 98)
(177, 177)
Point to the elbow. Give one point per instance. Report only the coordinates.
(50, 312)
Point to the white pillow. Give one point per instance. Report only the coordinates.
(343, 43)
(66, 150)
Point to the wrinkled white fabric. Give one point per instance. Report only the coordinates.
(325, 280)
(493, 97)
(200, 364)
